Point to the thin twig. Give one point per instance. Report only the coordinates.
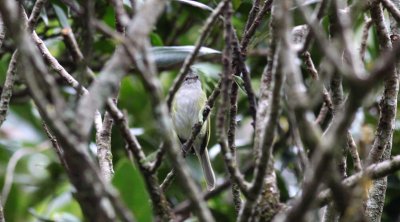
(252, 24)
(314, 74)
(226, 83)
(6, 92)
(391, 7)
(374, 171)
(33, 18)
(2, 32)
(186, 205)
(90, 199)
(320, 13)
(103, 136)
(10, 169)
(56, 146)
(168, 180)
(121, 17)
(354, 153)
(268, 132)
(139, 55)
(255, 8)
(161, 206)
(119, 63)
(159, 158)
(229, 154)
(363, 46)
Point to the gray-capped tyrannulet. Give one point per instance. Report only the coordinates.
(187, 110)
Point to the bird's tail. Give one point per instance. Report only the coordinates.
(207, 169)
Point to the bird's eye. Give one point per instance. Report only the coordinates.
(196, 77)
(186, 78)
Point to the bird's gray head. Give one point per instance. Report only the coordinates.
(191, 79)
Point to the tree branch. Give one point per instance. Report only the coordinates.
(160, 203)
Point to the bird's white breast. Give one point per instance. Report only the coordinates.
(187, 108)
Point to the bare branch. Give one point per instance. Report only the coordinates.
(6, 92)
(388, 102)
(351, 144)
(382, 146)
(2, 31)
(56, 146)
(252, 24)
(364, 38)
(160, 204)
(392, 8)
(267, 133)
(106, 84)
(168, 180)
(226, 83)
(92, 201)
(373, 172)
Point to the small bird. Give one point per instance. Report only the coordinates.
(187, 110)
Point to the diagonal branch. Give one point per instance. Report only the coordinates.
(160, 204)
(91, 200)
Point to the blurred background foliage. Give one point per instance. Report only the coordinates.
(36, 184)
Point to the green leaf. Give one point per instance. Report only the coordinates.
(127, 3)
(196, 4)
(132, 190)
(306, 3)
(236, 4)
(239, 81)
(43, 15)
(62, 17)
(166, 56)
(156, 40)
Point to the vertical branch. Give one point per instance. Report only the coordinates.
(337, 31)
(97, 204)
(382, 146)
(363, 47)
(103, 143)
(2, 31)
(231, 143)
(229, 154)
(388, 102)
(268, 132)
(265, 88)
(103, 136)
(6, 92)
(351, 144)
